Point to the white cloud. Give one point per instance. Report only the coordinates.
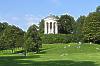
(22, 21)
(30, 19)
(15, 18)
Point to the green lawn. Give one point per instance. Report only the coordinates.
(56, 55)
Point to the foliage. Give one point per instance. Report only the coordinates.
(32, 40)
(11, 37)
(91, 27)
(80, 21)
(58, 38)
(65, 24)
(41, 26)
(98, 9)
(3, 26)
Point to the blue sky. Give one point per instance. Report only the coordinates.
(24, 13)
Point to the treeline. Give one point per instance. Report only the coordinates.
(89, 27)
(84, 29)
(12, 37)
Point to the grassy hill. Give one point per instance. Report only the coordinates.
(57, 55)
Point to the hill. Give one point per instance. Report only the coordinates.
(57, 55)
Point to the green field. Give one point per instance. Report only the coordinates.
(56, 55)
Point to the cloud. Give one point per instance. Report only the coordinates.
(15, 18)
(30, 20)
(22, 21)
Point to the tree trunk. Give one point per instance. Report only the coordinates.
(12, 50)
(37, 51)
(25, 53)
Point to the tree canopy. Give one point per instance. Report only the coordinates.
(65, 24)
(32, 39)
(91, 27)
(11, 37)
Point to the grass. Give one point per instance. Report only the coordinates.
(56, 55)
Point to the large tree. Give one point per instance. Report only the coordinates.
(78, 28)
(91, 27)
(41, 26)
(65, 24)
(32, 40)
(79, 23)
(12, 37)
(3, 26)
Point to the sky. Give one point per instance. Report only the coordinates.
(24, 13)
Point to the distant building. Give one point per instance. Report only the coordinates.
(50, 25)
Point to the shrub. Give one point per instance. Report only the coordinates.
(58, 38)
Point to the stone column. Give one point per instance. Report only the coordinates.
(45, 28)
(52, 28)
(56, 28)
(48, 28)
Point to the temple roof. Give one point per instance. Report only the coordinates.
(51, 17)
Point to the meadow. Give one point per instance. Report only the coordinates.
(71, 54)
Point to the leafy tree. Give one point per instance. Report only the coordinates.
(41, 26)
(98, 9)
(19, 34)
(65, 24)
(32, 40)
(12, 37)
(78, 28)
(80, 21)
(91, 27)
(3, 26)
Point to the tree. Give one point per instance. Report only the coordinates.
(65, 24)
(12, 37)
(98, 9)
(3, 26)
(78, 28)
(91, 27)
(80, 21)
(41, 26)
(19, 34)
(32, 40)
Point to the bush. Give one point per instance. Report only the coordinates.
(58, 38)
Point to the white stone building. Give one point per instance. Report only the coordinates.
(50, 25)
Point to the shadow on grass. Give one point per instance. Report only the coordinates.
(26, 61)
(16, 52)
(42, 51)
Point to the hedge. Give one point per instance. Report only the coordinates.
(58, 38)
